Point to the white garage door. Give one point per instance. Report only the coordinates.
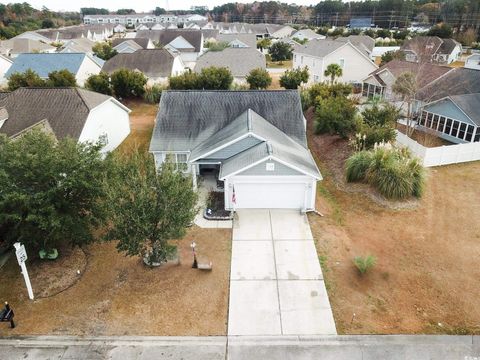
(270, 196)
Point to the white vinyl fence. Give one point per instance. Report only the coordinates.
(441, 155)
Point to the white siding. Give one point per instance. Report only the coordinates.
(110, 119)
(4, 66)
(87, 68)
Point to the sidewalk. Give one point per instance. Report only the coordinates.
(347, 347)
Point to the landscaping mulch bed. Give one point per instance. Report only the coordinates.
(216, 207)
(119, 295)
(333, 151)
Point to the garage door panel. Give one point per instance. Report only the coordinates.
(270, 195)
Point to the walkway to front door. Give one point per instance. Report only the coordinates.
(276, 283)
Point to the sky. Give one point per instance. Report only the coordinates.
(138, 5)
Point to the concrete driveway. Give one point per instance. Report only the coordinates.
(276, 283)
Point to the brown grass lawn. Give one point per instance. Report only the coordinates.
(142, 119)
(427, 276)
(280, 64)
(118, 295)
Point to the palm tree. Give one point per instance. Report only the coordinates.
(334, 71)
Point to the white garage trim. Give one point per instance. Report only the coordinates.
(283, 192)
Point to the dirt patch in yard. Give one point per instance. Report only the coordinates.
(426, 277)
(118, 295)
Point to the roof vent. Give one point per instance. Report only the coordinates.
(249, 120)
(269, 148)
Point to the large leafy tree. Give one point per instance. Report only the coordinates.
(128, 83)
(61, 78)
(104, 50)
(333, 71)
(99, 83)
(280, 51)
(259, 79)
(335, 116)
(29, 78)
(292, 79)
(216, 78)
(50, 191)
(148, 208)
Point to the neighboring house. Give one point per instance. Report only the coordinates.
(33, 35)
(119, 29)
(188, 43)
(253, 141)
(5, 64)
(76, 113)
(432, 49)
(361, 23)
(280, 33)
(379, 51)
(238, 40)
(473, 62)
(457, 81)
(380, 81)
(82, 45)
(16, 46)
(81, 65)
(307, 34)
(157, 64)
(363, 43)
(240, 61)
(454, 118)
(132, 45)
(318, 54)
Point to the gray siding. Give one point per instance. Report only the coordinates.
(448, 109)
(235, 148)
(280, 169)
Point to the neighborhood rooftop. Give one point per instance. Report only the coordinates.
(152, 62)
(164, 37)
(65, 109)
(188, 118)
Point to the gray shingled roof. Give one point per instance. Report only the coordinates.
(143, 42)
(20, 46)
(240, 61)
(153, 63)
(188, 118)
(470, 105)
(65, 109)
(318, 47)
(364, 43)
(164, 37)
(247, 39)
(458, 81)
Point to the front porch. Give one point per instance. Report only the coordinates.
(206, 176)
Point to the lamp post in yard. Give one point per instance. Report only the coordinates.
(195, 264)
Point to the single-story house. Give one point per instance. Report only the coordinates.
(473, 62)
(455, 118)
(77, 113)
(240, 61)
(16, 46)
(5, 64)
(156, 64)
(82, 45)
(307, 34)
(252, 141)
(81, 65)
(132, 45)
(380, 82)
(431, 49)
(318, 54)
(188, 43)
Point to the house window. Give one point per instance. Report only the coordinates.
(103, 139)
(448, 126)
(428, 124)
(342, 63)
(477, 135)
(461, 133)
(441, 124)
(301, 59)
(435, 122)
(181, 160)
(470, 130)
(455, 127)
